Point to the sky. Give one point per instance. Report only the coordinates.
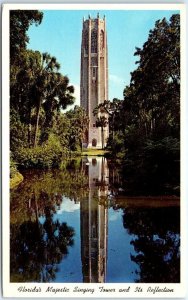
(59, 34)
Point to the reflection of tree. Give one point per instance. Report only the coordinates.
(37, 248)
(157, 243)
(115, 179)
(40, 189)
(38, 243)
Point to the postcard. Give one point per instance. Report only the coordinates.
(93, 108)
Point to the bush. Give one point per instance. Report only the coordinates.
(48, 155)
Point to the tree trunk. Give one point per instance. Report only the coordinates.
(29, 129)
(37, 123)
(102, 136)
(82, 143)
(29, 134)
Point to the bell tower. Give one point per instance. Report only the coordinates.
(94, 77)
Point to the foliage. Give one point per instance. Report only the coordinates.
(102, 122)
(154, 168)
(112, 109)
(48, 155)
(18, 131)
(51, 90)
(38, 91)
(20, 20)
(151, 105)
(78, 121)
(153, 97)
(13, 168)
(146, 124)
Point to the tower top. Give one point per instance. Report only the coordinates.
(94, 18)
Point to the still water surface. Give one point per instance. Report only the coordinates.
(76, 225)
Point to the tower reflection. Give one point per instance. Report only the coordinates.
(94, 221)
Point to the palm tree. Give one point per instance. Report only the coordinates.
(83, 122)
(51, 88)
(44, 73)
(110, 108)
(102, 122)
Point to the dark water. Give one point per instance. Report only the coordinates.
(76, 225)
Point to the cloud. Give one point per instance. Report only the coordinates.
(68, 206)
(113, 217)
(76, 94)
(116, 79)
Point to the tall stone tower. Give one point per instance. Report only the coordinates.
(94, 77)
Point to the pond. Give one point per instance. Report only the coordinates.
(77, 225)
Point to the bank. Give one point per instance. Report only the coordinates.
(94, 152)
(16, 179)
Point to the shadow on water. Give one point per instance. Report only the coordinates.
(115, 238)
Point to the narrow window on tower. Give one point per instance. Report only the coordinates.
(86, 42)
(102, 40)
(94, 41)
(94, 73)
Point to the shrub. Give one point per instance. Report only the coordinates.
(48, 155)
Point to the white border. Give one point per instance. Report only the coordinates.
(10, 289)
(96, 6)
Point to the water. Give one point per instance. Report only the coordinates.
(76, 225)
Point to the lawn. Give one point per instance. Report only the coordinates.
(94, 152)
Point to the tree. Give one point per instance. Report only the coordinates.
(79, 121)
(154, 92)
(37, 88)
(112, 109)
(21, 85)
(22, 63)
(50, 89)
(20, 20)
(102, 122)
(82, 122)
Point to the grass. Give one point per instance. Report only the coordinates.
(94, 152)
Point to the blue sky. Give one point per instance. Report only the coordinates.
(60, 35)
